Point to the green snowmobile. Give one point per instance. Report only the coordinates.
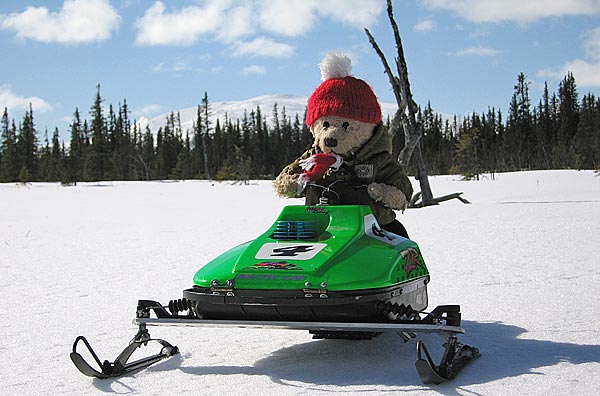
(331, 270)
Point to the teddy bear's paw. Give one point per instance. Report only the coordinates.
(286, 185)
(387, 195)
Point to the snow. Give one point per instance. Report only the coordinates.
(523, 261)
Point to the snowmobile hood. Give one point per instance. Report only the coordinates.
(317, 248)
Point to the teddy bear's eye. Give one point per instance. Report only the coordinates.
(345, 125)
(325, 125)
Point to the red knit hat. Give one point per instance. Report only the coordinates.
(342, 95)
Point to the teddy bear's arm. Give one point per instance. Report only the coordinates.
(392, 173)
(286, 183)
(391, 186)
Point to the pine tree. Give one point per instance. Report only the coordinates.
(77, 148)
(587, 129)
(217, 148)
(568, 120)
(27, 146)
(466, 160)
(306, 137)
(8, 148)
(545, 129)
(122, 150)
(147, 156)
(204, 131)
(275, 147)
(183, 169)
(97, 159)
(520, 138)
(51, 158)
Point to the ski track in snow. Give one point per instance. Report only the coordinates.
(523, 261)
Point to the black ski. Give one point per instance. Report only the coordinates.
(121, 366)
(456, 357)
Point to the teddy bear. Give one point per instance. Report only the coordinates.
(350, 160)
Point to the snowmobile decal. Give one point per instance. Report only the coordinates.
(373, 230)
(292, 251)
(272, 277)
(277, 265)
(412, 260)
(316, 209)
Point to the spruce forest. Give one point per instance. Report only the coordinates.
(559, 131)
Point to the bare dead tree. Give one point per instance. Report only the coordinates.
(406, 115)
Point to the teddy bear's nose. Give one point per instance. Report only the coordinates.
(330, 142)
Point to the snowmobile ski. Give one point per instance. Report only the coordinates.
(121, 366)
(456, 357)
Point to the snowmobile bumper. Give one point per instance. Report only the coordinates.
(442, 320)
(404, 300)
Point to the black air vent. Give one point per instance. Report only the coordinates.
(295, 230)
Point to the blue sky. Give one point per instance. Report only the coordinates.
(463, 55)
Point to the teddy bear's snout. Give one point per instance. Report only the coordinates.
(330, 142)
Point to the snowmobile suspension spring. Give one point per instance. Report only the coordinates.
(393, 308)
(179, 305)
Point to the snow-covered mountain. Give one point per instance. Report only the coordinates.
(235, 110)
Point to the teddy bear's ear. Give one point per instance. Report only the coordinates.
(335, 66)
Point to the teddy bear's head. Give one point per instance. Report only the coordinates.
(340, 135)
(343, 111)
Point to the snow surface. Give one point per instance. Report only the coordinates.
(523, 261)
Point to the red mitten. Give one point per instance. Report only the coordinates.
(316, 166)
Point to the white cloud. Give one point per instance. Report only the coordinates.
(183, 27)
(230, 21)
(254, 69)
(262, 46)
(586, 71)
(587, 74)
(476, 51)
(14, 102)
(177, 65)
(592, 44)
(293, 18)
(239, 24)
(425, 25)
(514, 10)
(77, 21)
(290, 18)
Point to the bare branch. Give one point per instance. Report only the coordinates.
(393, 80)
(406, 116)
(401, 66)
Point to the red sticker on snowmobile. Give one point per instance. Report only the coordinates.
(412, 260)
(278, 265)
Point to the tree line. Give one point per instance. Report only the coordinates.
(559, 132)
(113, 147)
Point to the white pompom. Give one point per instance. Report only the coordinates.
(335, 66)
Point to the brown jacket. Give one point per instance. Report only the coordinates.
(371, 163)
